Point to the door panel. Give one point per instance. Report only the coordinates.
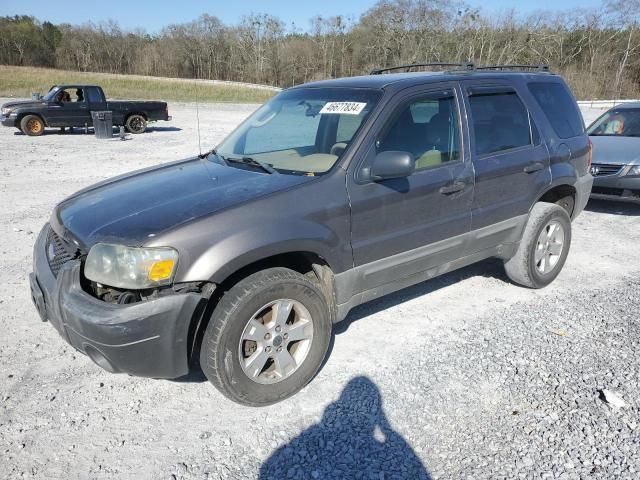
(71, 113)
(399, 217)
(511, 163)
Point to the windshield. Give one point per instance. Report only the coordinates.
(49, 96)
(622, 123)
(304, 130)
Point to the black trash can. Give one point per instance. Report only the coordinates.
(102, 124)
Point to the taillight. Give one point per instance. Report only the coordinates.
(590, 154)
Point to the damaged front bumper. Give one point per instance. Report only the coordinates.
(148, 338)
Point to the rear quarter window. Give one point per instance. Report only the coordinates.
(559, 107)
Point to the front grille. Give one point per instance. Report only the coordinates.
(602, 169)
(59, 252)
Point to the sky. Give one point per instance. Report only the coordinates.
(153, 15)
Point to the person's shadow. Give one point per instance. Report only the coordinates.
(353, 441)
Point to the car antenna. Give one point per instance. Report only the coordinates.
(198, 117)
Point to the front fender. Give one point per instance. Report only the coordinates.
(247, 246)
(20, 114)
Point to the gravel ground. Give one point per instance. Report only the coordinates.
(465, 376)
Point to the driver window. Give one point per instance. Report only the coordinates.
(428, 128)
(78, 95)
(64, 96)
(74, 95)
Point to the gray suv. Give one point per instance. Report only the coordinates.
(332, 194)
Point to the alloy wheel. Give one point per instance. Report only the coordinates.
(275, 341)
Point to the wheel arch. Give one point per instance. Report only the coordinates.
(557, 192)
(21, 115)
(141, 113)
(305, 262)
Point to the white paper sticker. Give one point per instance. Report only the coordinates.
(344, 108)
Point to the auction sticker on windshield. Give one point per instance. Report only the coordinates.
(344, 108)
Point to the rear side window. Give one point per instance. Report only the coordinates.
(93, 95)
(559, 108)
(500, 120)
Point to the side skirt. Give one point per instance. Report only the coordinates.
(382, 277)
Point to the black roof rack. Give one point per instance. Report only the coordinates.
(463, 65)
(539, 68)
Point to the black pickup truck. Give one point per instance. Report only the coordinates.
(71, 106)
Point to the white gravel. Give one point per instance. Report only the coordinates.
(465, 376)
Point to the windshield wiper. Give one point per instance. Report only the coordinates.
(250, 161)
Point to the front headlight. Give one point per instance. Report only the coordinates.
(6, 111)
(128, 267)
(635, 170)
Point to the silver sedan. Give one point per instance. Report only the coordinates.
(616, 153)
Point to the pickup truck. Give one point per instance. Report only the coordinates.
(71, 106)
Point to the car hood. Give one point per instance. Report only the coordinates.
(616, 150)
(134, 208)
(24, 103)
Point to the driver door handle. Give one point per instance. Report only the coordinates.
(452, 188)
(534, 167)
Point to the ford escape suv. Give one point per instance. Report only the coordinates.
(331, 194)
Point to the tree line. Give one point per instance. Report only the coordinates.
(597, 50)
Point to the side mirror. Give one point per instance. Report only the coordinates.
(392, 164)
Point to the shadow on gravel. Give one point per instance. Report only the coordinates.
(56, 131)
(196, 375)
(116, 130)
(487, 268)
(163, 129)
(614, 207)
(353, 441)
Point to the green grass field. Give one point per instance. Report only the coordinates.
(21, 81)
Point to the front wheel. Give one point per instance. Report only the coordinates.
(32, 125)
(267, 337)
(136, 124)
(544, 247)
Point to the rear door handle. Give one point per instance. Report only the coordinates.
(452, 188)
(534, 167)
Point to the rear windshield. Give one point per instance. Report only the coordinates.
(559, 107)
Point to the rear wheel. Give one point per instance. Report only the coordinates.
(267, 337)
(136, 124)
(32, 125)
(544, 247)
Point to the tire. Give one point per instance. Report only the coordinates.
(32, 125)
(136, 123)
(253, 301)
(539, 258)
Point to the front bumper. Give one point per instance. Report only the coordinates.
(9, 121)
(618, 186)
(148, 338)
(583, 190)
